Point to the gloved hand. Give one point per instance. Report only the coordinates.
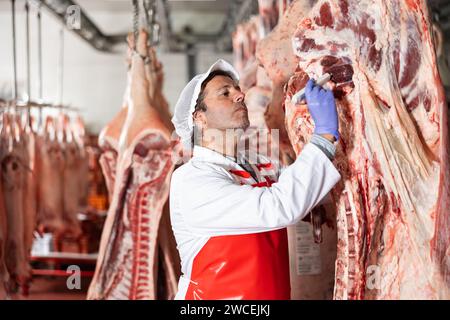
(322, 107)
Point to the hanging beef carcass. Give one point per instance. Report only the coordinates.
(79, 134)
(253, 78)
(30, 187)
(254, 83)
(108, 142)
(50, 163)
(440, 45)
(259, 138)
(71, 180)
(13, 181)
(4, 275)
(155, 75)
(257, 99)
(109, 137)
(274, 52)
(169, 267)
(392, 204)
(283, 6)
(128, 259)
(169, 260)
(245, 40)
(269, 13)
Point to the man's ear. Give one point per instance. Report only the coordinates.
(200, 119)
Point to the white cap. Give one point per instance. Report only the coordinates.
(182, 118)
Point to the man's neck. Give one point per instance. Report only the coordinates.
(223, 143)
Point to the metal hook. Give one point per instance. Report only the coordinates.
(156, 34)
(154, 28)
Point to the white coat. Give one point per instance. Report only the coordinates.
(206, 200)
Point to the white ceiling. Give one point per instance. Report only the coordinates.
(203, 16)
(125, 5)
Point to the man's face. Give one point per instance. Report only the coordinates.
(226, 108)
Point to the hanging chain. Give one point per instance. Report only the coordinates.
(13, 3)
(61, 67)
(135, 22)
(146, 4)
(40, 78)
(27, 14)
(136, 13)
(28, 113)
(13, 104)
(40, 52)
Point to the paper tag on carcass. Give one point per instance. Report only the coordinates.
(308, 252)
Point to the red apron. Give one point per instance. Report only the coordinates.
(250, 266)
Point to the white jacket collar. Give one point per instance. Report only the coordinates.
(208, 155)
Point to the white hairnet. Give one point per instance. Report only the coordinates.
(182, 118)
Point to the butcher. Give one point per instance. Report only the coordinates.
(229, 215)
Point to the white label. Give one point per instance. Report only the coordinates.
(308, 252)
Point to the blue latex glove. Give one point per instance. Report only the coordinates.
(322, 108)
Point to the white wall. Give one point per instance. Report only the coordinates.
(93, 81)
